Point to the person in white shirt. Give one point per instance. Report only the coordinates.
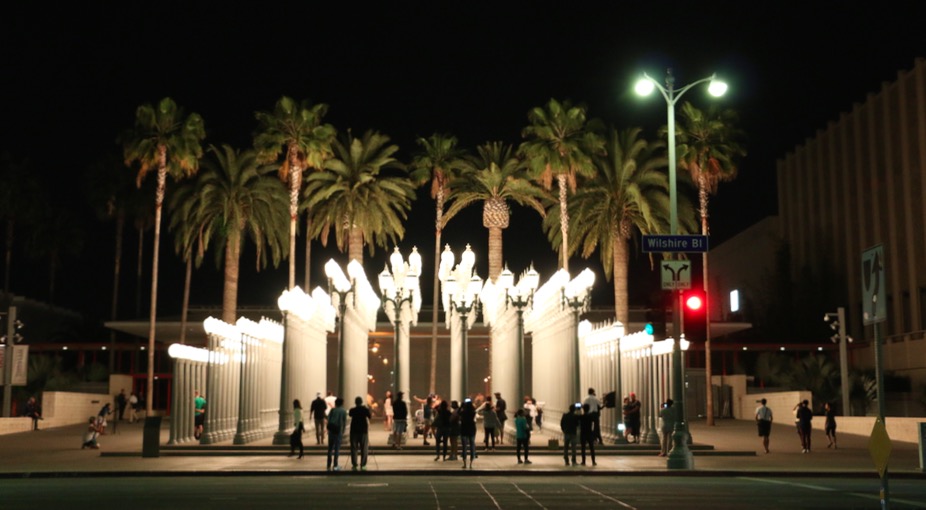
(133, 405)
(330, 401)
(594, 411)
(764, 422)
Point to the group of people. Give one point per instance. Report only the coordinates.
(803, 418)
(330, 416)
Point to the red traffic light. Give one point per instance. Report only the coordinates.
(694, 302)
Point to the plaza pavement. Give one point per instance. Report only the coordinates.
(731, 447)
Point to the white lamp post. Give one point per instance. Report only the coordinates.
(400, 288)
(339, 286)
(521, 297)
(460, 288)
(577, 294)
(680, 457)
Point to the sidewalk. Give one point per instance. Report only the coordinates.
(731, 447)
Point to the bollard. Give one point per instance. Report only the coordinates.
(151, 440)
(922, 438)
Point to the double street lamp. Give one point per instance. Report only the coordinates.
(340, 286)
(400, 292)
(521, 297)
(460, 287)
(680, 457)
(577, 295)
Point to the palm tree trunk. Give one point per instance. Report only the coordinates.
(230, 294)
(564, 220)
(495, 252)
(437, 235)
(295, 180)
(355, 244)
(117, 271)
(185, 308)
(158, 206)
(708, 373)
(308, 254)
(620, 261)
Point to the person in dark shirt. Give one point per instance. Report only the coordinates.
(569, 424)
(400, 420)
(359, 433)
(501, 409)
(587, 433)
(830, 425)
(804, 417)
(468, 431)
(317, 412)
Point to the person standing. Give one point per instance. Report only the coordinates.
(530, 411)
(569, 424)
(442, 419)
(387, 411)
(101, 418)
(33, 411)
(400, 417)
(337, 420)
(133, 407)
(501, 409)
(587, 433)
(804, 417)
(359, 434)
(199, 408)
(764, 422)
(330, 401)
(490, 423)
(667, 415)
(318, 410)
(121, 402)
(632, 417)
(594, 406)
(830, 425)
(295, 439)
(468, 431)
(522, 435)
(427, 409)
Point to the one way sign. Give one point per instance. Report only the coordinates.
(676, 274)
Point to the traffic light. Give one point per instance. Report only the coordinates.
(694, 308)
(693, 302)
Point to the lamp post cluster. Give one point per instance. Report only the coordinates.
(400, 292)
(460, 289)
(578, 297)
(339, 286)
(521, 297)
(680, 457)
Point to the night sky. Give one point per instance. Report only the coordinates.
(73, 76)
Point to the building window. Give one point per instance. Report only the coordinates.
(734, 301)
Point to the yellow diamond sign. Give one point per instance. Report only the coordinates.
(879, 444)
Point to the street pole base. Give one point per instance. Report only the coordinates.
(281, 437)
(681, 460)
(650, 437)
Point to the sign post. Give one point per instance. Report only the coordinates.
(874, 311)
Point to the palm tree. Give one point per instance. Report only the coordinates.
(183, 207)
(166, 139)
(294, 130)
(53, 237)
(560, 144)
(629, 194)
(235, 199)
(709, 146)
(495, 175)
(356, 196)
(436, 163)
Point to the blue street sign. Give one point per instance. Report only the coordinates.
(674, 244)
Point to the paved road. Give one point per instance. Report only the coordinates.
(470, 492)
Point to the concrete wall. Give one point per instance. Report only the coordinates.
(61, 408)
(14, 425)
(904, 430)
(781, 403)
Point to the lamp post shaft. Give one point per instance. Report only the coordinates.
(463, 321)
(8, 362)
(342, 309)
(521, 383)
(843, 362)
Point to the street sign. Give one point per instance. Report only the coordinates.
(676, 274)
(879, 445)
(874, 295)
(674, 244)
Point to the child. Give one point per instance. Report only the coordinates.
(90, 436)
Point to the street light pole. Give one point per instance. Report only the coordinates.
(460, 287)
(680, 457)
(839, 325)
(521, 297)
(577, 296)
(400, 288)
(340, 286)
